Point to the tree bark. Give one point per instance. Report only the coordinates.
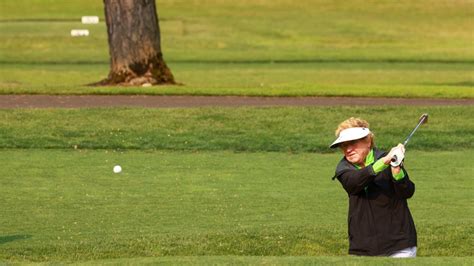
(134, 44)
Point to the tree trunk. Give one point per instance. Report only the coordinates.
(134, 44)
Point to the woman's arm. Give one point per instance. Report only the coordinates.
(354, 181)
(404, 188)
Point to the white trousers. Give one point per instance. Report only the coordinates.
(405, 253)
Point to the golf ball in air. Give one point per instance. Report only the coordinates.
(117, 169)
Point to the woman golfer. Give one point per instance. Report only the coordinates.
(380, 223)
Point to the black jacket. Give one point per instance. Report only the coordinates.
(379, 219)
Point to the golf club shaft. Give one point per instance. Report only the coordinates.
(413, 131)
(423, 120)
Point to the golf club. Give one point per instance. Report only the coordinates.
(398, 156)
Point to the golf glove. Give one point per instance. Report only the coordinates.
(397, 158)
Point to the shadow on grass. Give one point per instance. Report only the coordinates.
(462, 83)
(6, 239)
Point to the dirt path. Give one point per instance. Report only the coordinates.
(86, 101)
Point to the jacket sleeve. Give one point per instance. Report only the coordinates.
(404, 188)
(354, 181)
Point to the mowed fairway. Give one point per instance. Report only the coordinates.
(255, 189)
(61, 205)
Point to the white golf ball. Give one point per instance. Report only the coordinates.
(117, 169)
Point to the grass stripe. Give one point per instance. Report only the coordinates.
(287, 129)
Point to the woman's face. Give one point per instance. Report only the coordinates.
(355, 151)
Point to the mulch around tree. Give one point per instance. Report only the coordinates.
(90, 101)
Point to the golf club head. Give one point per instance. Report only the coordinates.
(423, 119)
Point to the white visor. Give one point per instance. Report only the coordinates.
(349, 134)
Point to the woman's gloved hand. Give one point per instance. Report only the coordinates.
(395, 156)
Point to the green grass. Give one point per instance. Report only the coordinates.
(287, 129)
(300, 260)
(68, 206)
(274, 48)
(436, 80)
(288, 260)
(272, 30)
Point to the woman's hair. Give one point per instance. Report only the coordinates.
(355, 122)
